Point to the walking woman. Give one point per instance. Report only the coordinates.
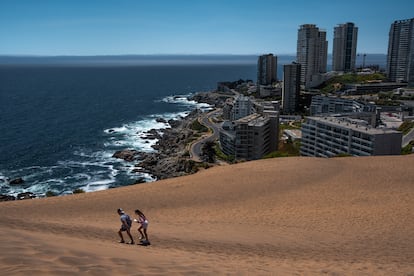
(143, 227)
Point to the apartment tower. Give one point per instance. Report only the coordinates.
(312, 53)
(266, 69)
(291, 87)
(400, 59)
(344, 47)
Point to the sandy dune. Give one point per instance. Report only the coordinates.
(286, 216)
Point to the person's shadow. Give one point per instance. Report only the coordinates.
(144, 243)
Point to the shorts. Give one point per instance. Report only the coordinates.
(124, 228)
(144, 224)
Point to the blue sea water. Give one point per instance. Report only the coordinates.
(62, 118)
(60, 125)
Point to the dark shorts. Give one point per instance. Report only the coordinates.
(124, 228)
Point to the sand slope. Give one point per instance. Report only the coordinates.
(286, 216)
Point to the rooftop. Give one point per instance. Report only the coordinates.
(353, 124)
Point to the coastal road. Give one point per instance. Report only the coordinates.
(196, 147)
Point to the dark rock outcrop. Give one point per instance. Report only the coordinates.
(25, 195)
(152, 134)
(161, 120)
(168, 160)
(127, 155)
(211, 98)
(6, 198)
(17, 181)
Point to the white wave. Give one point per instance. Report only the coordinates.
(80, 177)
(98, 185)
(184, 100)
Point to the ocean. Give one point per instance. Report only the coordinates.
(62, 118)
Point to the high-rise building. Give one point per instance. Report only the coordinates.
(344, 47)
(291, 87)
(266, 69)
(312, 53)
(400, 59)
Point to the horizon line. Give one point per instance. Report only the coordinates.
(155, 54)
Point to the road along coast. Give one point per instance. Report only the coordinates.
(172, 157)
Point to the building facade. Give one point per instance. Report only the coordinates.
(251, 137)
(266, 69)
(344, 47)
(291, 87)
(334, 105)
(311, 53)
(242, 107)
(332, 136)
(400, 59)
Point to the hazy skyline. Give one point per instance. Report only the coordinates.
(57, 27)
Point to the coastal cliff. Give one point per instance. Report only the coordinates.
(171, 157)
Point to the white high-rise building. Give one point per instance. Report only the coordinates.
(344, 47)
(400, 59)
(312, 53)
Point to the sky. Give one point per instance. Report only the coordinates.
(240, 27)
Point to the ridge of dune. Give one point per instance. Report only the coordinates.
(286, 216)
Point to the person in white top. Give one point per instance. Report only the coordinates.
(143, 227)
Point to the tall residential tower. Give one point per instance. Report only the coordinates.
(291, 87)
(266, 69)
(312, 53)
(344, 47)
(400, 60)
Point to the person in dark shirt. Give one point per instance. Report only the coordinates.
(125, 226)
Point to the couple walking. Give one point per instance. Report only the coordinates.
(127, 223)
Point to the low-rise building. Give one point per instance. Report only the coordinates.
(332, 136)
(374, 87)
(333, 105)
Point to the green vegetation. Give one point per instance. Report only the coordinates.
(220, 155)
(209, 152)
(288, 148)
(406, 126)
(190, 166)
(388, 99)
(198, 127)
(337, 83)
(408, 149)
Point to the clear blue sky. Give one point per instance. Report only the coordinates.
(117, 27)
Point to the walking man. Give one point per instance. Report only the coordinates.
(125, 226)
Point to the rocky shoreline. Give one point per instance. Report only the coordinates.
(171, 157)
